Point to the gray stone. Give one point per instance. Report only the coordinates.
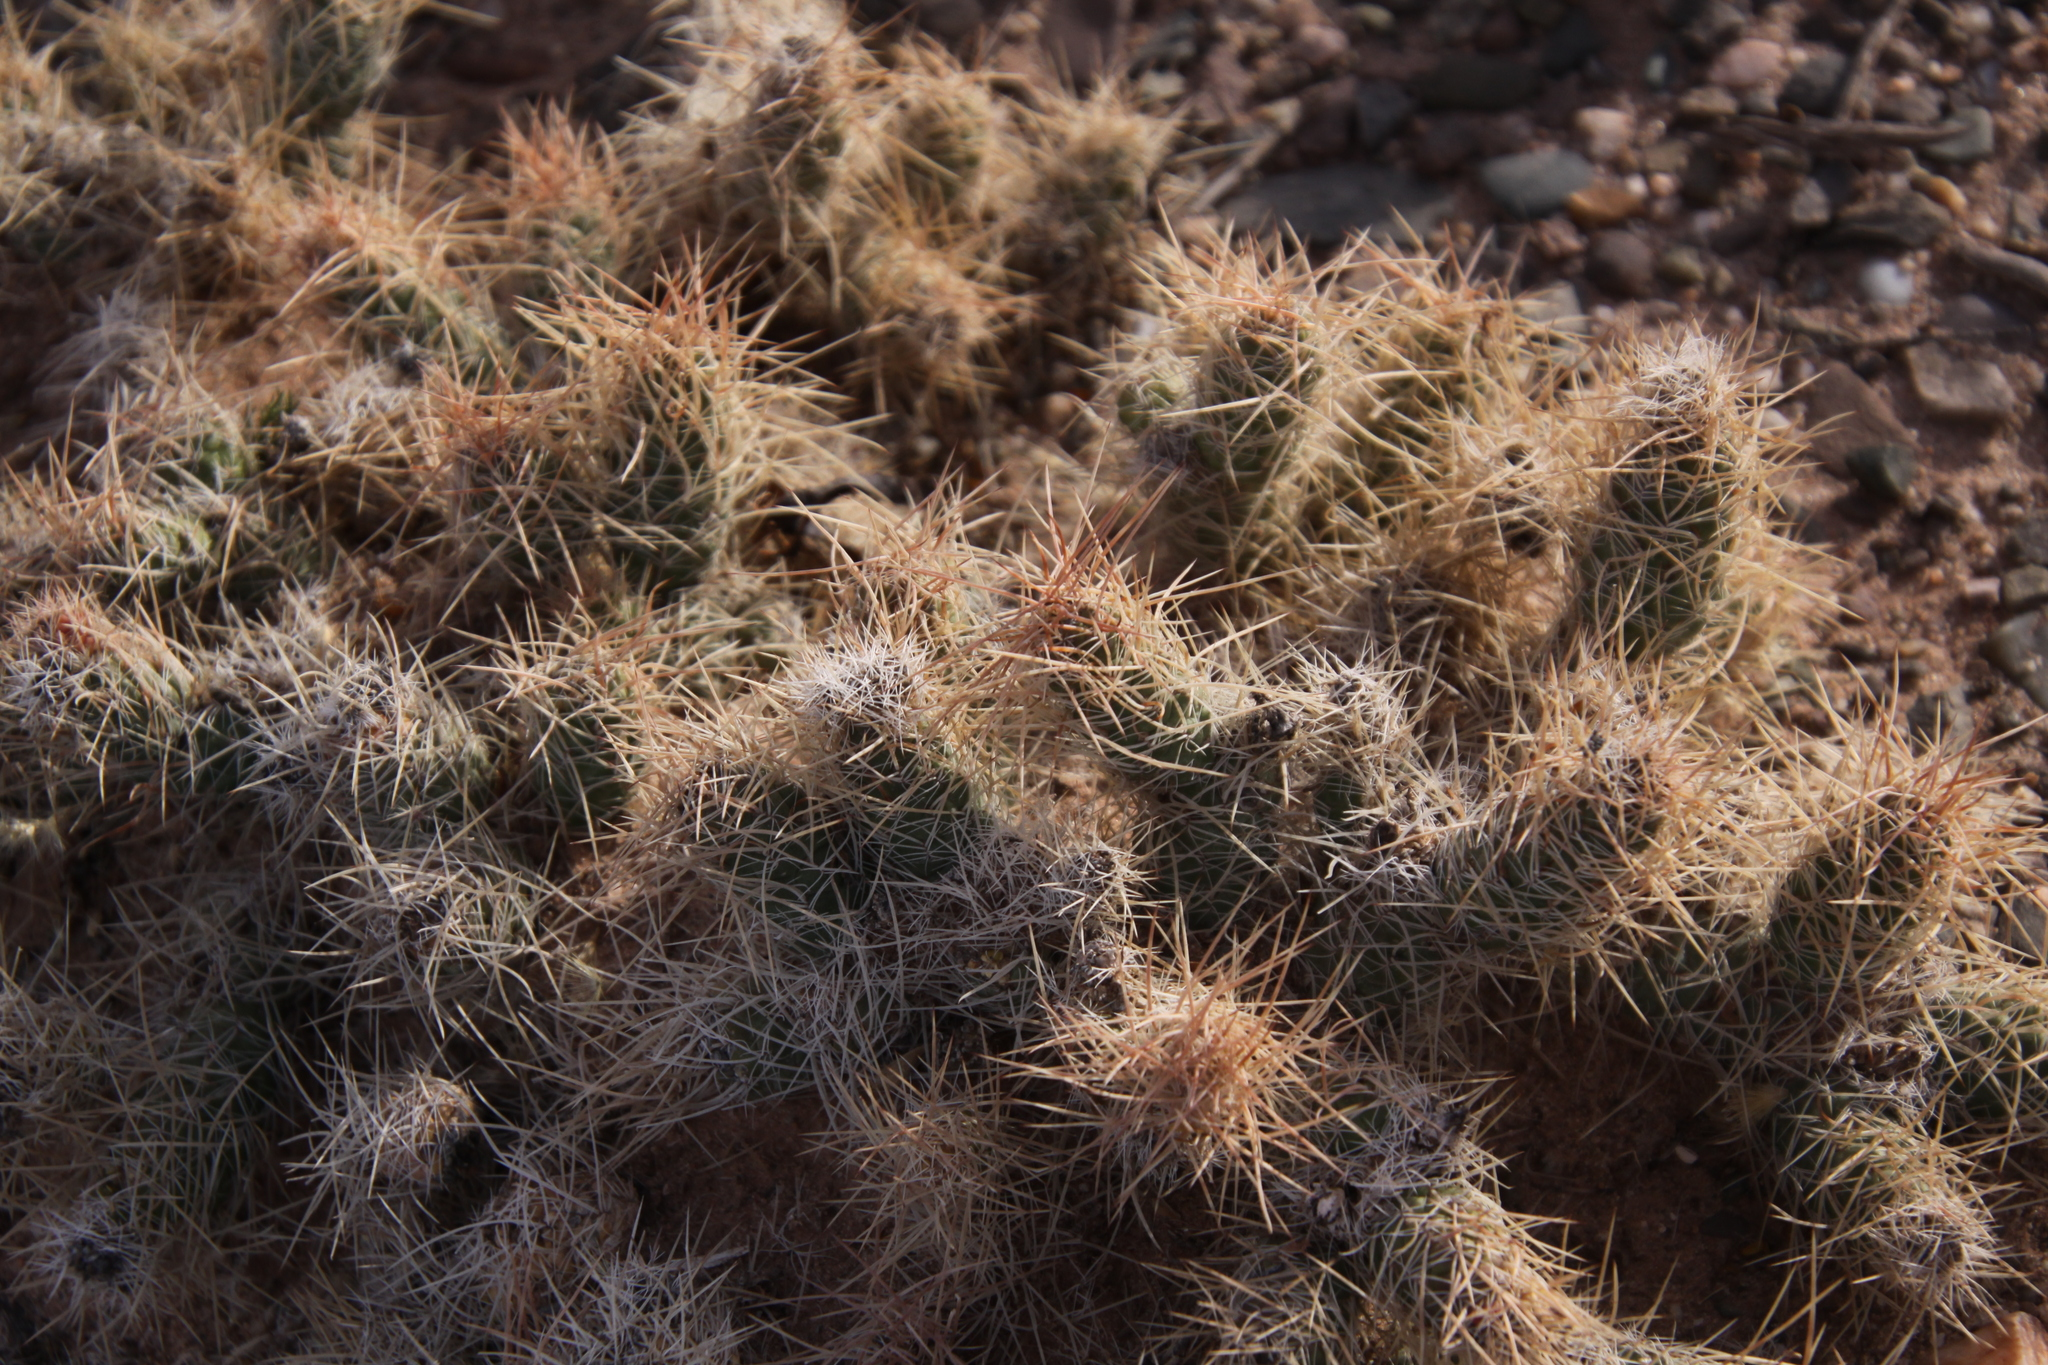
(1535, 184)
(1976, 139)
(1845, 413)
(1885, 470)
(1907, 223)
(1809, 207)
(1622, 264)
(1959, 387)
(1669, 156)
(2023, 925)
(1682, 266)
(1749, 64)
(2027, 543)
(1940, 713)
(2019, 649)
(1326, 204)
(1556, 308)
(2026, 586)
(1817, 83)
(1376, 18)
(1476, 81)
(1383, 106)
(1575, 41)
(1919, 105)
(1657, 69)
(1980, 319)
(1707, 104)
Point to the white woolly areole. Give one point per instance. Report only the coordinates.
(874, 680)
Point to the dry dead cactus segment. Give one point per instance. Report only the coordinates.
(522, 682)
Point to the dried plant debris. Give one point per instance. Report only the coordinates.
(582, 782)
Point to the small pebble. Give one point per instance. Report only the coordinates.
(1887, 283)
(1682, 266)
(1706, 103)
(1621, 264)
(1973, 21)
(1663, 184)
(1535, 184)
(1810, 207)
(1603, 205)
(1885, 470)
(1964, 387)
(1667, 154)
(2026, 586)
(1982, 592)
(1686, 1156)
(1942, 191)
(1607, 132)
(1375, 18)
(1747, 64)
(1319, 45)
(1817, 83)
(1161, 87)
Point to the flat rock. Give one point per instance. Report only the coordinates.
(1938, 713)
(1667, 157)
(1816, 83)
(2023, 925)
(1707, 103)
(2019, 649)
(1535, 184)
(1906, 223)
(1382, 107)
(1608, 132)
(2015, 1339)
(1603, 205)
(1843, 413)
(2026, 586)
(1328, 203)
(2027, 543)
(1960, 387)
(1975, 139)
(1557, 310)
(1885, 470)
(1919, 105)
(1747, 64)
(1622, 264)
(1980, 319)
(1555, 307)
(1477, 81)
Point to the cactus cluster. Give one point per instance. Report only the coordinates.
(524, 683)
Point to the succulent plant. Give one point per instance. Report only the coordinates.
(568, 703)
